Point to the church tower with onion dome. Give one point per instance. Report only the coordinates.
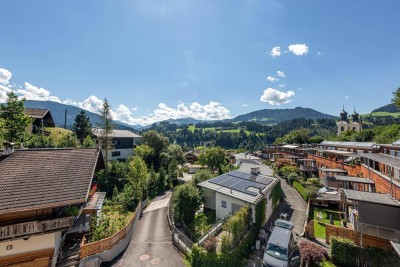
(344, 124)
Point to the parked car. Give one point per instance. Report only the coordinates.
(280, 246)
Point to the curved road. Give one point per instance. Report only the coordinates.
(151, 242)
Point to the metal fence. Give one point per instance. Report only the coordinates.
(214, 229)
(181, 240)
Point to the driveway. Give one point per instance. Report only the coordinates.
(151, 242)
(294, 205)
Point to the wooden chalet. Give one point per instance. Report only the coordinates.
(43, 194)
(40, 118)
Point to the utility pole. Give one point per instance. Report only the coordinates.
(65, 119)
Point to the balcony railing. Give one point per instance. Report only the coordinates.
(307, 168)
(34, 227)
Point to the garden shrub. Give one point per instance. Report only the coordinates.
(186, 200)
(310, 192)
(237, 224)
(343, 251)
(301, 190)
(293, 176)
(311, 253)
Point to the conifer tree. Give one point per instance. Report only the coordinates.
(82, 126)
(106, 127)
(14, 119)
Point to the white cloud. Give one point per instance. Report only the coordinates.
(280, 73)
(275, 52)
(31, 92)
(210, 111)
(5, 76)
(92, 104)
(281, 85)
(346, 97)
(272, 79)
(298, 49)
(275, 97)
(245, 105)
(70, 102)
(3, 93)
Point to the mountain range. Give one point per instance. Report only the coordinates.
(264, 116)
(58, 112)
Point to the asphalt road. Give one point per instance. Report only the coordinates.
(294, 205)
(151, 242)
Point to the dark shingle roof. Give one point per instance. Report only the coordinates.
(36, 113)
(41, 178)
(378, 198)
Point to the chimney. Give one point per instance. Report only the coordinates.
(8, 148)
(255, 170)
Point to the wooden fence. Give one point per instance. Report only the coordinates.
(364, 240)
(89, 249)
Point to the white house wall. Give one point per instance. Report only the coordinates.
(209, 199)
(34, 243)
(222, 212)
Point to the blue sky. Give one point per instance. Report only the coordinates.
(205, 59)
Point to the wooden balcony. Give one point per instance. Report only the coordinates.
(34, 227)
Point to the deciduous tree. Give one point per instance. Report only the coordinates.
(186, 201)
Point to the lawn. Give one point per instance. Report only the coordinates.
(319, 229)
(382, 114)
(327, 263)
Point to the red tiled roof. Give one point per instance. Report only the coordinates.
(41, 178)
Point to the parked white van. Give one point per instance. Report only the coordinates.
(280, 245)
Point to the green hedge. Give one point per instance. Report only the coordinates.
(345, 253)
(301, 190)
(201, 258)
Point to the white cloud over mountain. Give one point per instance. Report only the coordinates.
(32, 92)
(211, 111)
(298, 49)
(275, 97)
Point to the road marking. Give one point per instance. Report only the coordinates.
(144, 257)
